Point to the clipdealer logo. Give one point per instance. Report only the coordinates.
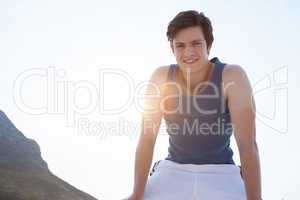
(62, 96)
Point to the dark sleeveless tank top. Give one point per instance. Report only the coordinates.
(199, 126)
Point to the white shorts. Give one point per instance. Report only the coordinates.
(174, 181)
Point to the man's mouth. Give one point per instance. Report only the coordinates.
(190, 61)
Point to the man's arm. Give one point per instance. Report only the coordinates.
(151, 120)
(242, 110)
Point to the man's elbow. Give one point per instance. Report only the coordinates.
(248, 149)
(147, 139)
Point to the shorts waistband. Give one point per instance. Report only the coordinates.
(201, 168)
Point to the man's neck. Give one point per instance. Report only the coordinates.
(192, 79)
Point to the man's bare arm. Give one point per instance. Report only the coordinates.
(242, 110)
(151, 120)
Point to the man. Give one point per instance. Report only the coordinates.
(205, 155)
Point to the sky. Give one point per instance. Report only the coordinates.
(73, 73)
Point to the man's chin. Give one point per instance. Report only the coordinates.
(189, 67)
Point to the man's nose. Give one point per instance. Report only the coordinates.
(189, 51)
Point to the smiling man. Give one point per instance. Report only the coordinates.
(198, 166)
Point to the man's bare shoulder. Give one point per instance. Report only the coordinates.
(233, 73)
(234, 80)
(160, 74)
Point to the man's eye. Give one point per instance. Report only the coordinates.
(198, 44)
(179, 46)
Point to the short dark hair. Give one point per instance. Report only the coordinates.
(190, 18)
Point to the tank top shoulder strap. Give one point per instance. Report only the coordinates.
(171, 73)
(217, 80)
(217, 73)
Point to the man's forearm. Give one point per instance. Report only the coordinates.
(251, 173)
(143, 160)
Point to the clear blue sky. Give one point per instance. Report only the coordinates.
(77, 39)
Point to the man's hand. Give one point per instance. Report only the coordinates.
(133, 197)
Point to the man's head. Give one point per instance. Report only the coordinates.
(190, 35)
(191, 18)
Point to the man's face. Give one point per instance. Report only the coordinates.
(190, 49)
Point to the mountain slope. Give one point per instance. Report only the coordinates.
(24, 175)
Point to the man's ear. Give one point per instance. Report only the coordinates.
(208, 49)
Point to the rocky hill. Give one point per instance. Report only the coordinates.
(24, 175)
